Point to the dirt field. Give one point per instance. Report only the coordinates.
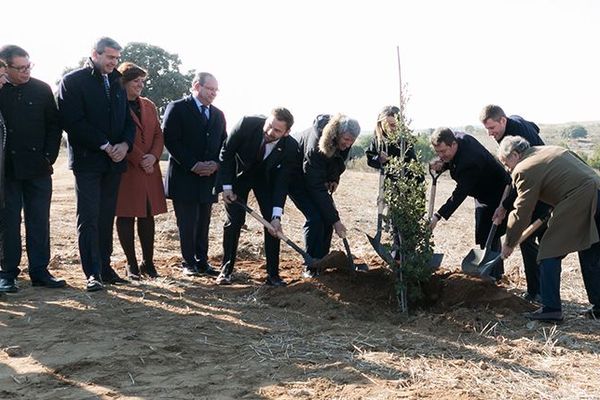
(336, 337)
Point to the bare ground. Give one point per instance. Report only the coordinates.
(336, 337)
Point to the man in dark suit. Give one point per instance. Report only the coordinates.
(258, 156)
(194, 131)
(477, 174)
(499, 126)
(94, 112)
(32, 144)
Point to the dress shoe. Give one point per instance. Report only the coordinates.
(189, 271)
(543, 314)
(275, 281)
(113, 279)
(93, 284)
(206, 269)
(224, 279)
(47, 280)
(532, 298)
(7, 285)
(133, 272)
(148, 269)
(309, 273)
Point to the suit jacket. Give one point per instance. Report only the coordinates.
(190, 138)
(92, 120)
(561, 179)
(33, 129)
(240, 164)
(477, 173)
(138, 188)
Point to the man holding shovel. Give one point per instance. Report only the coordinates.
(499, 125)
(477, 174)
(258, 156)
(561, 179)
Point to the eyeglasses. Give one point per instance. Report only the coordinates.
(23, 68)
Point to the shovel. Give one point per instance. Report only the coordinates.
(308, 260)
(436, 258)
(376, 240)
(472, 263)
(495, 258)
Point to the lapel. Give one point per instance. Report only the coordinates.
(191, 103)
(134, 117)
(275, 156)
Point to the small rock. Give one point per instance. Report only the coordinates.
(14, 351)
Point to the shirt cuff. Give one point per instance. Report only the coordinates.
(104, 146)
(227, 187)
(277, 211)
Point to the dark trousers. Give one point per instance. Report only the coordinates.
(33, 196)
(193, 222)
(483, 224)
(96, 203)
(317, 232)
(589, 261)
(236, 216)
(125, 232)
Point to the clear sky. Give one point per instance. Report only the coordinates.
(535, 58)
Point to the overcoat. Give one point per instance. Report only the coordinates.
(557, 177)
(137, 187)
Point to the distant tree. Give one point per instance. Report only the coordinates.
(165, 81)
(470, 129)
(574, 132)
(360, 146)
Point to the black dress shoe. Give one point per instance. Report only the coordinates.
(8, 285)
(189, 271)
(48, 281)
(93, 285)
(543, 314)
(113, 279)
(149, 269)
(275, 281)
(206, 269)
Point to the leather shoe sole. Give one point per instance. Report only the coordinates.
(276, 282)
(548, 316)
(53, 284)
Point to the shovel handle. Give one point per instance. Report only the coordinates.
(434, 178)
(490, 238)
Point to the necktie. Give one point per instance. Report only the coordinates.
(205, 111)
(106, 86)
(261, 151)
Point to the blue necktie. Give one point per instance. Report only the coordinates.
(205, 111)
(106, 86)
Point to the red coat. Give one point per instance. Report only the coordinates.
(138, 187)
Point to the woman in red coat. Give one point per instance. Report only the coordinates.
(141, 194)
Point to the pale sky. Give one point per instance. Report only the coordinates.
(535, 58)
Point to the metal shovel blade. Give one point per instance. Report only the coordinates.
(473, 263)
(381, 250)
(436, 261)
(488, 266)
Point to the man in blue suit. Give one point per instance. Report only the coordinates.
(194, 131)
(94, 113)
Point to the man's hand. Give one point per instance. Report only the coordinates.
(499, 215)
(212, 167)
(506, 251)
(331, 187)
(118, 151)
(277, 230)
(340, 229)
(228, 196)
(436, 165)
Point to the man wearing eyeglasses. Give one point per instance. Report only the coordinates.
(94, 112)
(32, 145)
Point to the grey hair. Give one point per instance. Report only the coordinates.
(202, 77)
(510, 144)
(104, 42)
(349, 126)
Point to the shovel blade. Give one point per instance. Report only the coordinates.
(381, 251)
(488, 266)
(480, 262)
(436, 261)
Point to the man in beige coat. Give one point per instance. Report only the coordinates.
(561, 179)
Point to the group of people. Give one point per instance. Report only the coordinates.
(115, 142)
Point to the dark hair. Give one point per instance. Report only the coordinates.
(104, 42)
(10, 51)
(283, 114)
(443, 135)
(202, 77)
(491, 111)
(129, 71)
